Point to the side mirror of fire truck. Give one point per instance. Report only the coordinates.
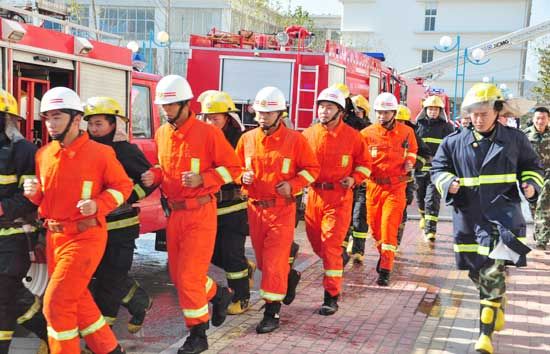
(82, 46)
(11, 31)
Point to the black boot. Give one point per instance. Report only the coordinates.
(378, 266)
(220, 302)
(330, 305)
(270, 322)
(292, 283)
(117, 350)
(138, 303)
(196, 342)
(294, 248)
(383, 278)
(5, 346)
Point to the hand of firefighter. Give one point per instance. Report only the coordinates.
(248, 177)
(284, 189)
(528, 190)
(454, 187)
(408, 166)
(87, 207)
(347, 182)
(191, 179)
(30, 186)
(148, 178)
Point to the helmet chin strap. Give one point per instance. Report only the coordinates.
(172, 121)
(61, 136)
(266, 128)
(389, 124)
(331, 119)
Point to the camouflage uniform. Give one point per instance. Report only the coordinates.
(541, 210)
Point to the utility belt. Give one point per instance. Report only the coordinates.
(390, 180)
(70, 227)
(10, 224)
(275, 202)
(229, 195)
(190, 203)
(324, 185)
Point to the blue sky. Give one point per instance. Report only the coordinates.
(332, 7)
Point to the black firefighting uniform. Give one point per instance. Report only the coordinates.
(16, 164)
(423, 155)
(229, 250)
(432, 132)
(112, 286)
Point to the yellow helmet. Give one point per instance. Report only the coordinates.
(217, 102)
(403, 113)
(8, 104)
(343, 88)
(482, 92)
(205, 94)
(103, 105)
(361, 102)
(433, 101)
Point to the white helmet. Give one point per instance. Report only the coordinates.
(60, 98)
(171, 89)
(269, 99)
(386, 102)
(333, 95)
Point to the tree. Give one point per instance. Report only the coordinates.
(542, 90)
(300, 17)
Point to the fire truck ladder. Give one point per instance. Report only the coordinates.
(437, 67)
(302, 71)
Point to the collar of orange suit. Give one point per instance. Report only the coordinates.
(75, 145)
(383, 131)
(277, 134)
(186, 126)
(337, 129)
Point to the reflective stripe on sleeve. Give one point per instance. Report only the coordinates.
(307, 176)
(8, 179)
(224, 174)
(536, 177)
(488, 179)
(119, 197)
(363, 170)
(86, 190)
(139, 191)
(432, 140)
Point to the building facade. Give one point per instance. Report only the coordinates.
(407, 31)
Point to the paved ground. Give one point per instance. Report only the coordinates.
(429, 308)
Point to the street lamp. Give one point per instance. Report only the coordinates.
(476, 58)
(163, 41)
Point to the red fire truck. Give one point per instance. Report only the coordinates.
(241, 64)
(34, 59)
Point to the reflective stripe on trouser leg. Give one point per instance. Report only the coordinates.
(432, 204)
(191, 235)
(271, 241)
(68, 304)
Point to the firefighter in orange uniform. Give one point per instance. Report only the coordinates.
(393, 148)
(78, 183)
(341, 151)
(195, 160)
(278, 163)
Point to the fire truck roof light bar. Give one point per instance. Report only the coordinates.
(67, 25)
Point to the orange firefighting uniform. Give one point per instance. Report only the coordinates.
(283, 156)
(191, 232)
(83, 170)
(386, 199)
(341, 153)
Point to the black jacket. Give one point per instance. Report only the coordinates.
(432, 132)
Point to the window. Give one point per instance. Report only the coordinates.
(200, 21)
(427, 55)
(141, 112)
(429, 16)
(127, 22)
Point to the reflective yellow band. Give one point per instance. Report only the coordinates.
(248, 162)
(490, 303)
(86, 190)
(139, 191)
(63, 335)
(6, 335)
(110, 320)
(196, 165)
(412, 154)
(525, 175)
(363, 170)
(24, 177)
(14, 231)
(357, 234)
(120, 224)
(33, 310)
(388, 247)
(94, 327)
(421, 159)
(286, 166)
(232, 208)
(425, 168)
(237, 275)
(483, 250)
(197, 313)
(432, 140)
(309, 178)
(290, 260)
(345, 160)
(431, 217)
(471, 248)
(271, 296)
(334, 273)
(126, 299)
(8, 179)
(209, 284)
(442, 179)
(522, 240)
(488, 179)
(119, 198)
(224, 174)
